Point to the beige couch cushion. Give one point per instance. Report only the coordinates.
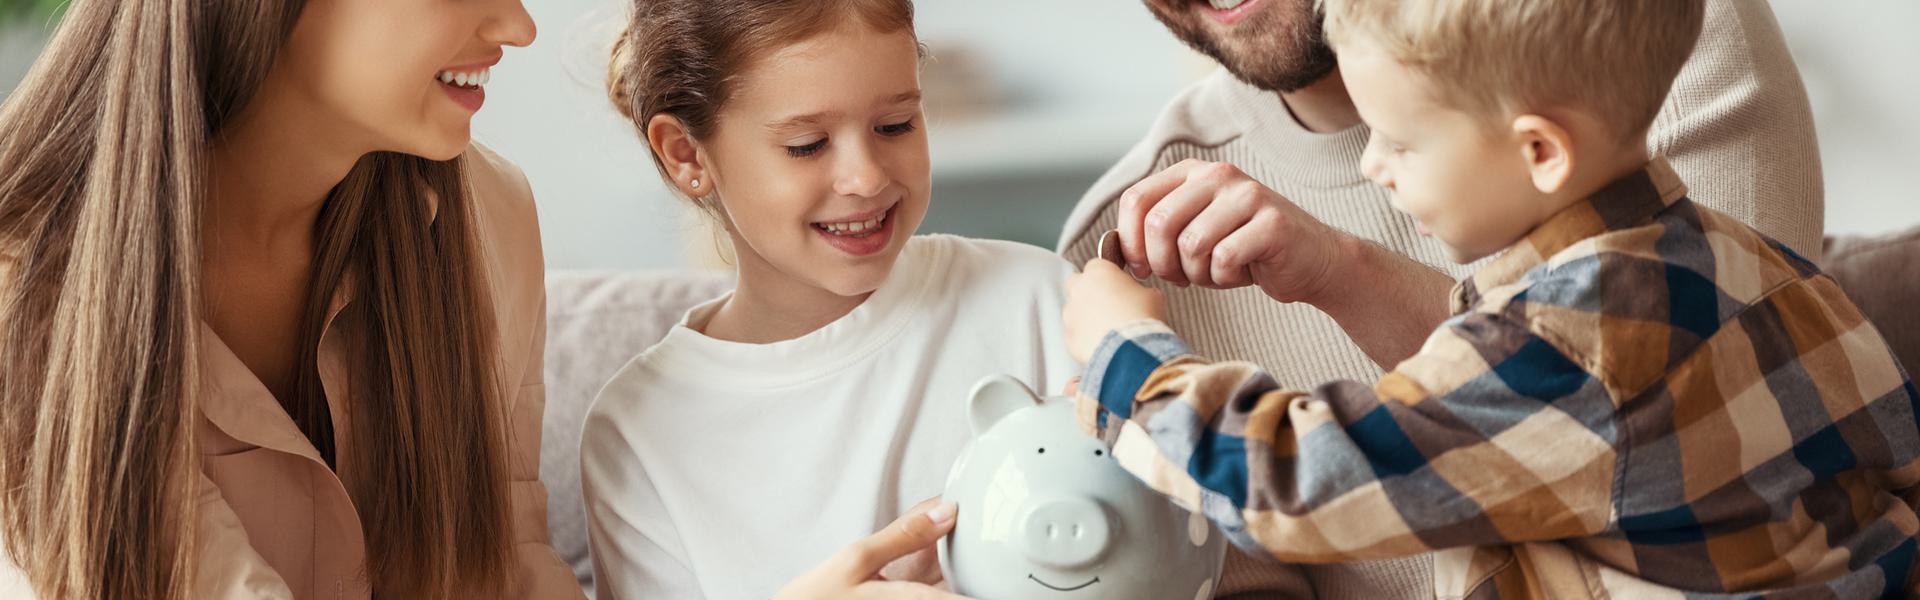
(596, 322)
(1882, 275)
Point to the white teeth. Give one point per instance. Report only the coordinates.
(465, 79)
(1226, 4)
(854, 227)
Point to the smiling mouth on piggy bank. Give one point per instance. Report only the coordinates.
(1062, 589)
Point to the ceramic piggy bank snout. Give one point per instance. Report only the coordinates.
(1045, 513)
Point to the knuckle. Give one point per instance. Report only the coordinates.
(1225, 256)
(1249, 192)
(1156, 221)
(1278, 221)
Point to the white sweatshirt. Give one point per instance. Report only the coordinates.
(714, 469)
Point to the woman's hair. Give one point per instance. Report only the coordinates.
(103, 181)
(684, 57)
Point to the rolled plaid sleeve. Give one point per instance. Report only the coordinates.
(1490, 435)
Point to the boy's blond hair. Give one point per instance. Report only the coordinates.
(1498, 59)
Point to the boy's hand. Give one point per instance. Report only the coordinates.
(1101, 299)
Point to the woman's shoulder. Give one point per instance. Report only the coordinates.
(508, 230)
(500, 191)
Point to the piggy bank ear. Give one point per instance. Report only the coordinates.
(996, 397)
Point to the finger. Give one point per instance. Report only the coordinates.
(924, 505)
(1073, 385)
(905, 535)
(1164, 225)
(1229, 212)
(1097, 269)
(1233, 257)
(922, 566)
(903, 589)
(1137, 201)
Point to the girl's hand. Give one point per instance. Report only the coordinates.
(921, 566)
(855, 571)
(1101, 299)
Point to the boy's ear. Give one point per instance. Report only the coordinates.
(680, 153)
(1547, 150)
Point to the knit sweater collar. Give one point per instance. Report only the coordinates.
(1303, 157)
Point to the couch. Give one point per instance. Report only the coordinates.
(597, 321)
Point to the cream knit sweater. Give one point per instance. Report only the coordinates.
(1737, 128)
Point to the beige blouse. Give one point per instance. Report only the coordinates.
(276, 522)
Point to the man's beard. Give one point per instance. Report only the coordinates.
(1286, 52)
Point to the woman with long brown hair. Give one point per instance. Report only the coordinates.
(270, 326)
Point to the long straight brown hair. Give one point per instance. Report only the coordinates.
(103, 157)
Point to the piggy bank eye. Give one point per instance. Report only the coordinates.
(1043, 451)
(1099, 452)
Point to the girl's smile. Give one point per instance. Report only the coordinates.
(861, 234)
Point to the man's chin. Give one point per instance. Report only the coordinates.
(1271, 50)
(1283, 81)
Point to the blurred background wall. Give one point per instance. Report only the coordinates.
(1028, 102)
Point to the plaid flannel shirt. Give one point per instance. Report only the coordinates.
(1642, 399)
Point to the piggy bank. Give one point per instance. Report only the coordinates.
(1045, 513)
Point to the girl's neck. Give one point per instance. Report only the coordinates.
(770, 306)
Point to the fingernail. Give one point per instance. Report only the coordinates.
(1137, 269)
(941, 514)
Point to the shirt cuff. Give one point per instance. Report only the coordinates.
(1124, 361)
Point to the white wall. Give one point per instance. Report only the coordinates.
(1084, 78)
(1860, 60)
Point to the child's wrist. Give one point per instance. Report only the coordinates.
(1164, 345)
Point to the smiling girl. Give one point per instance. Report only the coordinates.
(269, 323)
(825, 395)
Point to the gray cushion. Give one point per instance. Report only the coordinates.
(1881, 274)
(596, 322)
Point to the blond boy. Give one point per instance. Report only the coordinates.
(1638, 398)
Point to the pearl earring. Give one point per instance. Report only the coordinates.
(696, 184)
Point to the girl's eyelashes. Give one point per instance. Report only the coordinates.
(889, 130)
(806, 150)
(896, 129)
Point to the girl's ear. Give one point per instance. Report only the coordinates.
(1547, 150)
(680, 153)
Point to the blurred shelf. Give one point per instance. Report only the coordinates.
(1034, 142)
